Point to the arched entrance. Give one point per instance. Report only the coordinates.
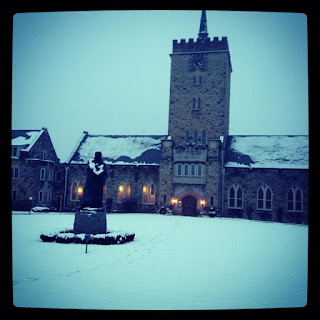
(189, 206)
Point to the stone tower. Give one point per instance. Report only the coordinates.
(191, 166)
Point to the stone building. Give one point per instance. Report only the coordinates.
(132, 171)
(198, 167)
(36, 171)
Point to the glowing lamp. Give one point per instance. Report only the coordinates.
(202, 203)
(174, 201)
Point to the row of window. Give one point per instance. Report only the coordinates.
(195, 138)
(15, 152)
(124, 191)
(45, 196)
(45, 174)
(189, 170)
(265, 198)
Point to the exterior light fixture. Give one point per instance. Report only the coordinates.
(174, 201)
(202, 203)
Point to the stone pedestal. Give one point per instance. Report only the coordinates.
(91, 221)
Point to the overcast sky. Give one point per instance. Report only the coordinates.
(108, 72)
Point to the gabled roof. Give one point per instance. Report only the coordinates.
(285, 152)
(26, 138)
(119, 149)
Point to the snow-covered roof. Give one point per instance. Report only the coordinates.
(119, 149)
(26, 138)
(283, 152)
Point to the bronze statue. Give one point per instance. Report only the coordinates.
(93, 190)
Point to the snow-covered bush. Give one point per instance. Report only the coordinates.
(48, 236)
(65, 237)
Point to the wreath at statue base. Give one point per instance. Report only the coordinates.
(68, 236)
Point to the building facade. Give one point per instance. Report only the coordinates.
(36, 172)
(198, 167)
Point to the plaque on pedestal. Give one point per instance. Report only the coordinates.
(90, 220)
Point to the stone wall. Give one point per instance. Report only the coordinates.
(279, 180)
(29, 184)
(135, 176)
(212, 114)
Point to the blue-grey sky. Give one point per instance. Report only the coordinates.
(108, 72)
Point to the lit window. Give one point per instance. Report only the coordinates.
(145, 194)
(80, 191)
(123, 191)
(148, 194)
(104, 193)
(127, 191)
(120, 194)
(76, 191)
(152, 194)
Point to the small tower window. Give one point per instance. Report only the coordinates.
(187, 136)
(195, 136)
(204, 137)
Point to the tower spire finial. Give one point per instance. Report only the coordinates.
(203, 32)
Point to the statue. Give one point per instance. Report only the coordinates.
(93, 190)
(91, 217)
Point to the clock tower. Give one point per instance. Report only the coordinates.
(199, 87)
(192, 157)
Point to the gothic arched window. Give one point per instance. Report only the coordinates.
(76, 191)
(145, 193)
(295, 197)
(148, 194)
(120, 192)
(235, 197)
(264, 198)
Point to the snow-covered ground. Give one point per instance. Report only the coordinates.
(175, 262)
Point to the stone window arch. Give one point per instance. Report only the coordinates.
(76, 191)
(295, 199)
(235, 197)
(148, 193)
(124, 191)
(264, 198)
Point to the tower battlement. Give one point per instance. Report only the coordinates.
(200, 45)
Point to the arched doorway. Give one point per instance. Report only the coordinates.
(189, 206)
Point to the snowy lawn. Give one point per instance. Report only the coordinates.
(174, 262)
